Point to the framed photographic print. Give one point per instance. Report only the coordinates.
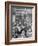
(20, 22)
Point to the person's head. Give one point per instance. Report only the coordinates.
(23, 32)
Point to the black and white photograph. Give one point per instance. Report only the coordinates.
(21, 22)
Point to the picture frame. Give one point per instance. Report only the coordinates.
(25, 16)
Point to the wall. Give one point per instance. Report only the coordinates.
(2, 22)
